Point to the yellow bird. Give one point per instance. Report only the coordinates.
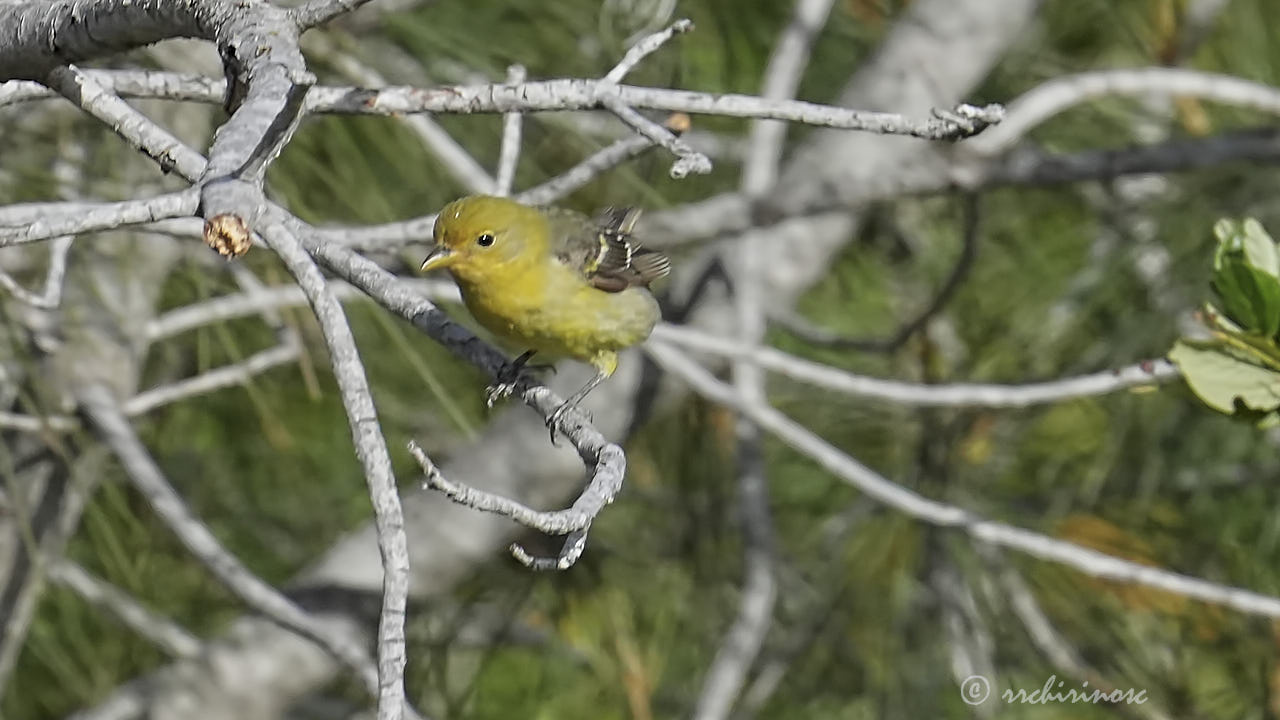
(550, 280)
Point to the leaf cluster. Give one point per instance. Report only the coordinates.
(1237, 369)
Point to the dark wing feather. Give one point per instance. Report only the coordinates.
(604, 250)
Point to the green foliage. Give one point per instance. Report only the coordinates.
(1238, 370)
(1246, 276)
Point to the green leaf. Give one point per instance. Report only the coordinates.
(1250, 296)
(1247, 275)
(1228, 233)
(1226, 382)
(1260, 249)
(1229, 284)
(1226, 230)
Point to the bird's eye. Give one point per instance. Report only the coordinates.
(485, 240)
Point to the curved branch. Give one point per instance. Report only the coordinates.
(553, 96)
(1059, 94)
(990, 395)
(605, 460)
(41, 221)
(108, 420)
(371, 450)
(165, 634)
(1086, 560)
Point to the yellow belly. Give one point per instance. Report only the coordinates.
(562, 315)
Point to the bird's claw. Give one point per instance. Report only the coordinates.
(498, 391)
(508, 375)
(556, 417)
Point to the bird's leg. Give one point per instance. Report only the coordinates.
(507, 378)
(553, 420)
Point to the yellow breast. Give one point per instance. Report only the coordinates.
(551, 309)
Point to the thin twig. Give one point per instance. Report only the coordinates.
(51, 296)
(1137, 375)
(1142, 374)
(111, 424)
(386, 237)
(55, 278)
(509, 154)
(560, 522)
(584, 172)
(581, 94)
(688, 160)
(1086, 560)
(162, 632)
(146, 401)
(575, 94)
(1029, 167)
(574, 522)
(250, 285)
(72, 218)
(728, 213)
(237, 373)
(644, 48)
(781, 80)
(230, 307)
(183, 87)
(87, 93)
(37, 423)
(1054, 96)
(574, 543)
(454, 158)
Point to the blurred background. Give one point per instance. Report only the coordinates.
(877, 615)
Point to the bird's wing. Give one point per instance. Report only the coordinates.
(603, 249)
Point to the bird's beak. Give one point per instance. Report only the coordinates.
(439, 257)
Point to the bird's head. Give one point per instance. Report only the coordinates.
(476, 234)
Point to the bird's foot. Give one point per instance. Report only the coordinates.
(498, 391)
(556, 417)
(507, 378)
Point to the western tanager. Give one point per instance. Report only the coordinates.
(550, 280)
